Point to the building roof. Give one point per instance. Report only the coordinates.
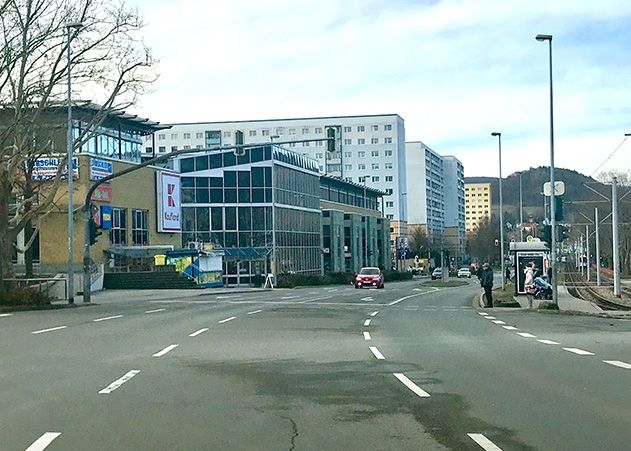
(141, 124)
(340, 181)
(285, 119)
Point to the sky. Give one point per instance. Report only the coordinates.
(454, 70)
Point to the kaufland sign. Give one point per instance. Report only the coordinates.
(169, 206)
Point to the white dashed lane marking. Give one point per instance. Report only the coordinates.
(165, 350)
(156, 310)
(227, 319)
(48, 330)
(107, 318)
(619, 364)
(490, 317)
(484, 442)
(526, 335)
(497, 321)
(578, 351)
(41, 443)
(367, 336)
(374, 313)
(367, 322)
(255, 311)
(411, 385)
(483, 313)
(198, 332)
(117, 383)
(510, 327)
(548, 342)
(376, 353)
(4, 315)
(367, 299)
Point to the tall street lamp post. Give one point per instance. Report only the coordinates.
(499, 143)
(70, 172)
(553, 225)
(521, 211)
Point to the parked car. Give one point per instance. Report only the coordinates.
(464, 272)
(437, 274)
(369, 277)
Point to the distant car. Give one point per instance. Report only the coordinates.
(437, 274)
(369, 277)
(464, 272)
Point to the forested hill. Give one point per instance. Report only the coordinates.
(532, 185)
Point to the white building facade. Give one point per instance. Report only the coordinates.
(372, 147)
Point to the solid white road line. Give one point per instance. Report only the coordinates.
(411, 385)
(526, 335)
(228, 297)
(618, 363)
(408, 297)
(255, 311)
(117, 383)
(376, 353)
(42, 442)
(374, 313)
(48, 330)
(198, 332)
(107, 318)
(578, 351)
(289, 297)
(367, 322)
(156, 310)
(483, 313)
(510, 327)
(227, 319)
(484, 442)
(4, 315)
(548, 342)
(367, 299)
(165, 350)
(499, 322)
(367, 336)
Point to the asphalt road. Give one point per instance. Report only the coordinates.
(334, 368)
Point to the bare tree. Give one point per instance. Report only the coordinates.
(109, 65)
(419, 245)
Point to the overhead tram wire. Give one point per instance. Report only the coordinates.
(610, 155)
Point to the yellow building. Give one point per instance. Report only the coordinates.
(477, 204)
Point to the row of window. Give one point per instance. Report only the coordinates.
(374, 167)
(278, 131)
(139, 227)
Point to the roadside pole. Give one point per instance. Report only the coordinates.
(616, 239)
(587, 261)
(597, 225)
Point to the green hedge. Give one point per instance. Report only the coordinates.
(336, 278)
(16, 296)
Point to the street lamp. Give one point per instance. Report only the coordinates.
(553, 231)
(499, 142)
(69, 148)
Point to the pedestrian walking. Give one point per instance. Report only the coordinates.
(529, 278)
(486, 282)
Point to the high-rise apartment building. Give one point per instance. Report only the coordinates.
(453, 188)
(477, 204)
(371, 147)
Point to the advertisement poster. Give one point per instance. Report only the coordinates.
(169, 205)
(102, 194)
(45, 168)
(100, 169)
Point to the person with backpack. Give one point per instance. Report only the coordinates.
(486, 281)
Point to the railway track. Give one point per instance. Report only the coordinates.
(577, 286)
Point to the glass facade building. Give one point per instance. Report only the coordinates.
(261, 208)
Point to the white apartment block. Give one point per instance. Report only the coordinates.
(453, 180)
(372, 147)
(477, 204)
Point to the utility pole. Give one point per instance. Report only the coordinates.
(616, 239)
(521, 212)
(587, 262)
(597, 225)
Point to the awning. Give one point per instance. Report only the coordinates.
(137, 251)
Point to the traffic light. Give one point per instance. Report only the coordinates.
(94, 231)
(239, 151)
(558, 208)
(547, 234)
(331, 139)
(564, 233)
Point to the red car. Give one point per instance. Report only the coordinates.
(369, 277)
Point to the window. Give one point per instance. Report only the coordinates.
(388, 153)
(374, 153)
(318, 129)
(148, 149)
(265, 132)
(361, 179)
(348, 154)
(375, 166)
(187, 136)
(118, 232)
(388, 165)
(361, 141)
(292, 144)
(305, 144)
(388, 140)
(387, 127)
(199, 135)
(227, 134)
(361, 167)
(173, 148)
(389, 204)
(347, 129)
(374, 140)
(252, 132)
(388, 178)
(162, 149)
(390, 216)
(319, 155)
(162, 136)
(348, 142)
(375, 178)
(173, 135)
(280, 130)
(348, 167)
(361, 128)
(375, 128)
(319, 143)
(292, 131)
(187, 147)
(305, 130)
(199, 146)
(139, 227)
(389, 191)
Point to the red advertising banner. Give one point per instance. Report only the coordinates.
(102, 194)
